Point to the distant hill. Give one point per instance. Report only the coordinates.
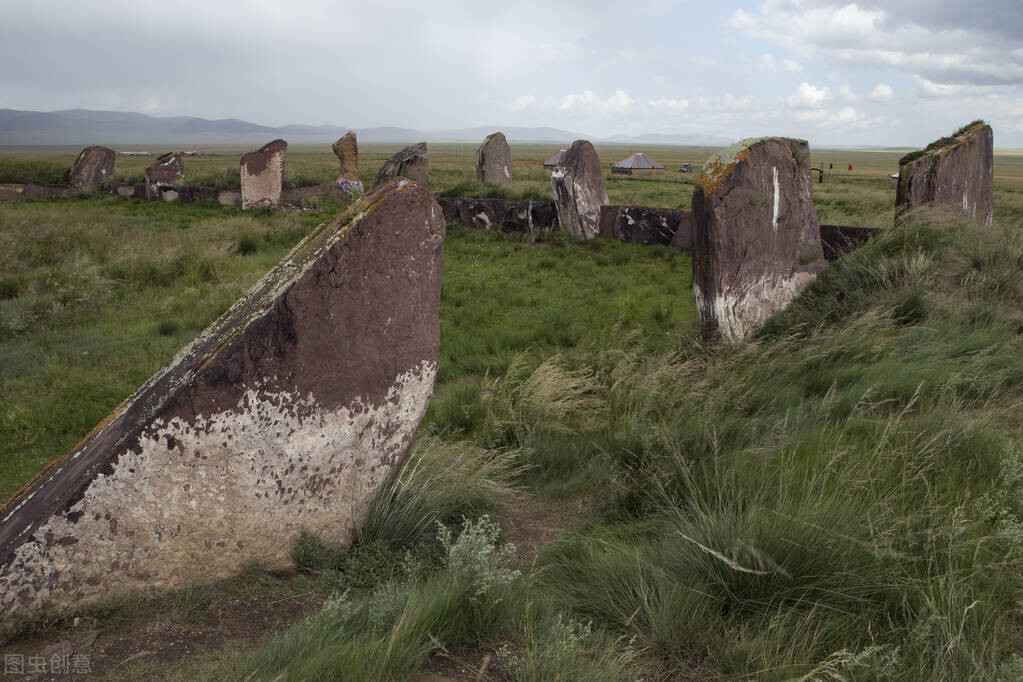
(85, 127)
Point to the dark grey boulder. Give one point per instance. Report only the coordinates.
(579, 190)
(493, 160)
(756, 239)
(957, 172)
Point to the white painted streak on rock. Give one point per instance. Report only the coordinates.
(777, 199)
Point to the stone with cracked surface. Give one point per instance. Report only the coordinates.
(263, 175)
(93, 167)
(959, 174)
(286, 413)
(412, 162)
(579, 190)
(167, 170)
(493, 160)
(756, 239)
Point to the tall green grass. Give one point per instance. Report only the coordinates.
(839, 497)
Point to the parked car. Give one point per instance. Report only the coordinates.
(685, 168)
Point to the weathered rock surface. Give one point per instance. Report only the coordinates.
(93, 167)
(493, 160)
(501, 214)
(287, 412)
(412, 162)
(838, 240)
(263, 175)
(756, 238)
(958, 173)
(169, 170)
(579, 190)
(644, 224)
(347, 150)
(683, 237)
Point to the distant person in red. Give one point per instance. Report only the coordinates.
(850, 166)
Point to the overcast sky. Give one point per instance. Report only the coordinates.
(901, 72)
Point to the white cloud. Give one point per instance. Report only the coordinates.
(928, 88)
(858, 34)
(882, 92)
(620, 102)
(670, 106)
(808, 96)
(791, 65)
(523, 102)
(845, 115)
(767, 62)
(810, 115)
(846, 92)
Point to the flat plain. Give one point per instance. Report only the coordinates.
(841, 497)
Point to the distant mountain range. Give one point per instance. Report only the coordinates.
(85, 127)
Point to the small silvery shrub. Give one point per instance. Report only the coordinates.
(475, 557)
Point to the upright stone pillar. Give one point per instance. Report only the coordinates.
(288, 412)
(579, 190)
(412, 162)
(263, 175)
(756, 239)
(493, 160)
(956, 171)
(347, 151)
(169, 169)
(93, 167)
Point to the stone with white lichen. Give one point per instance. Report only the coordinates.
(287, 412)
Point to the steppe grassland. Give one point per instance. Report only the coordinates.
(840, 498)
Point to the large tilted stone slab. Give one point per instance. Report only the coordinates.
(493, 160)
(756, 239)
(167, 170)
(347, 151)
(93, 167)
(579, 190)
(412, 162)
(957, 172)
(287, 412)
(263, 175)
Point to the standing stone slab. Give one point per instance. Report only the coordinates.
(756, 240)
(93, 167)
(347, 150)
(956, 171)
(167, 170)
(493, 160)
(263, 175)
(579, 190)
(287, 412)
(412, 162)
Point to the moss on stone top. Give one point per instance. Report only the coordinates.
(718, 166)
(942, 142)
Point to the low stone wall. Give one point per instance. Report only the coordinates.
(838, 240)
(646, 225)
(30, 190)
(501, 214)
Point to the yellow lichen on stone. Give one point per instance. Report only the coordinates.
(718, 167)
